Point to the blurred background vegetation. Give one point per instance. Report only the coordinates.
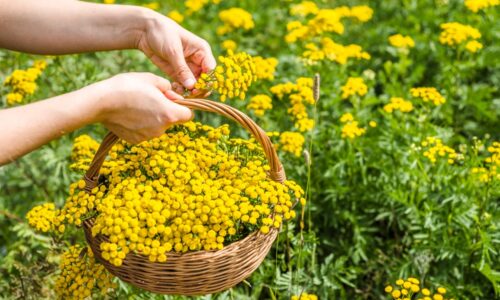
(378, 209)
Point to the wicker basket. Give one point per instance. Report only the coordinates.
(199, 272)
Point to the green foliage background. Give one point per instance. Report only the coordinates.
(378, 209)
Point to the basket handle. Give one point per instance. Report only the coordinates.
(276, 173)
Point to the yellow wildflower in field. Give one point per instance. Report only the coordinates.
(292, 142)
(300, 94)
(296, 31)
(347, 117)
(152, 5)
(397, 103)
(401, 41)
(22, 82)
(333, 52)
(410, 289)
(454, 34)
(351, 130)
(109, 1)
(304, 8)
(304, 296)
(235, 18)
(84, 148)
(176, 16)
(265, 67)
(490, 170)
(434, 149)
(473, 46)
(259, 104)
(46, 218)
(428, 94)
(362, 13)
(193, 188)
(196, 5)
(328, 20)
(354, 86)
(81, 277)
(14, 98)
(232, 77)
(229, 45)
(477, 5)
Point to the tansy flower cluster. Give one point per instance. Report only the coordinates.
(454, 34)
(265, 67)
(235, 18)
(259, 104)
(229, 45)
(46, 218)
(323, 20)
(398, 103)
(477, 5)
(401, 41)
(176, 16)
(300, 94)
(196, 5)
(304, 296)
(152, 5)
(292, 142)
(84, 148)
(332, 51)
(434, 149)
(23, 82)
(410, 288)
(304, 8)
(232, 77)
(362, 13)
(351, 128)
(81, 276)
(354, 86)
(473, 46)
(193, 188)
(79, 204)
(491, 165)
(428, 94)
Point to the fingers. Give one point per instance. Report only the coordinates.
(203, 57)
(171, 95)
(177, 87)
(182, 72)
(164, 86)
(177, 113)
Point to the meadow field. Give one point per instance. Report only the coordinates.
(386, 113)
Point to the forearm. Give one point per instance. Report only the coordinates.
(66, 26)
(28, 127)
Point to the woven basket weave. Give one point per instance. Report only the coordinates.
(199, 272)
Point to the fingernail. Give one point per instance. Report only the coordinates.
(189, 83)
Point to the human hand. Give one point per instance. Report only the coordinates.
(175, 50)
(138, 106)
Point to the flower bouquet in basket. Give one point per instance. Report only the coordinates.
(193, 211)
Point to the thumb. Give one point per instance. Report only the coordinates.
(178, 113)
(182, 72)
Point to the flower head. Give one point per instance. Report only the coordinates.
(354, 86)
(232, 77)
(454, 33)
(233, 19)
(428, 94)
(259, 104)
(401, 41)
